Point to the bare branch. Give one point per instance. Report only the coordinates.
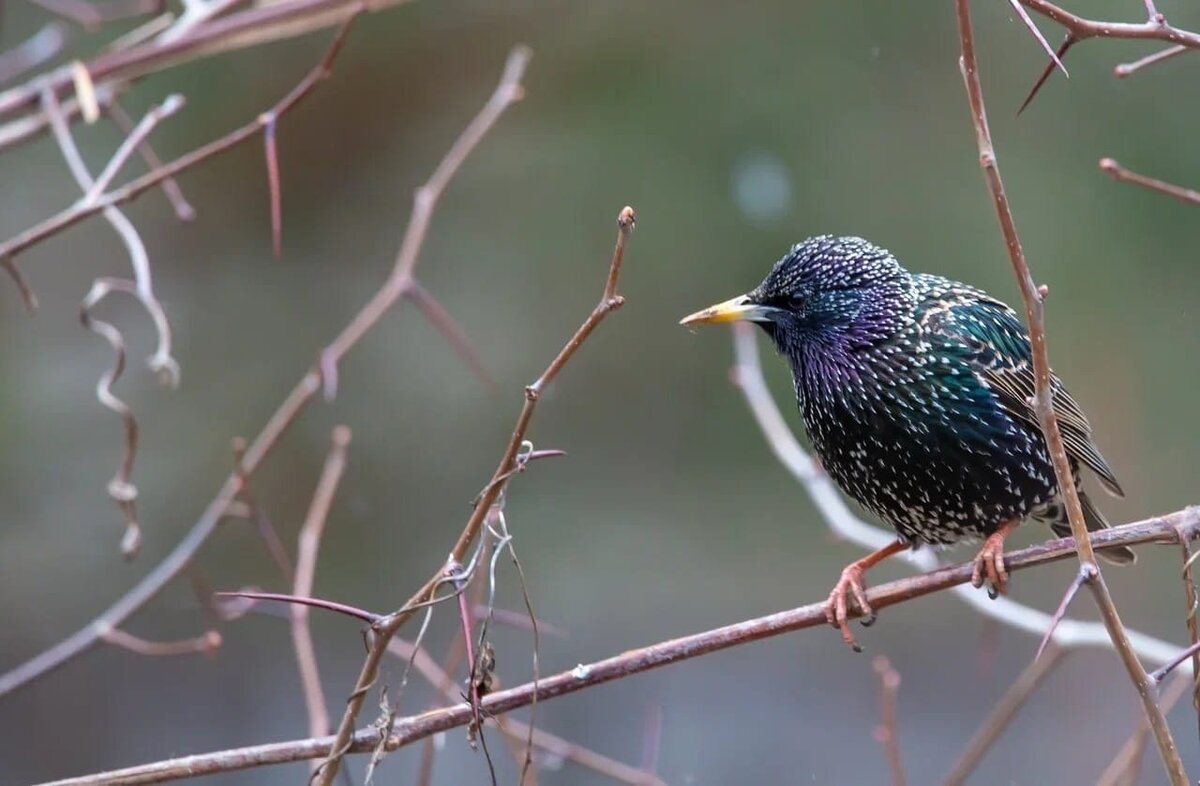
(80, 211)
(1128, 69)
(412, 729)
(1154, 29)
(206, 644)
(1121, 174)
(507, 92)
(183, 209)
(306, 568)
(609, 302)
(1043, 401)
(1085, 574)
(289, 409)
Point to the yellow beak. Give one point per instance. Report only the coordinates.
(736, 309)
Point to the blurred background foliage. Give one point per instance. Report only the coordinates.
(735, 130)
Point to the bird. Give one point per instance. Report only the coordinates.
(916, 393)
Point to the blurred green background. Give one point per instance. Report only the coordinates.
(735, 130)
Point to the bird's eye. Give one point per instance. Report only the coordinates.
(796, 301)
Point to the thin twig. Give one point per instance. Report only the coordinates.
(1193, 610)
(635, 661)
(609, 302)
(206, 644)
(118, 196)
(1123, 70)
(885, 732)
(251, 27)
(1085, 574)
(1002, 714)
(1159, 674)
(309, 545)
(1041, 39)
(1083, 29)
(286, 413)
(1121, 174)
(170, 187)
(1043, 398)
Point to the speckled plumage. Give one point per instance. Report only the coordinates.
(915, 393)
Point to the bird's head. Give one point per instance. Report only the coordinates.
(825, 292)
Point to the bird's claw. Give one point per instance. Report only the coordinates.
(989, 564)
(837, 608)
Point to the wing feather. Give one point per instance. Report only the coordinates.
(1004, 359)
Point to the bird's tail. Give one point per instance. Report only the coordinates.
(1120, 555)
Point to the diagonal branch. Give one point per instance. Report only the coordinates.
(1034, 314)
(609, 302)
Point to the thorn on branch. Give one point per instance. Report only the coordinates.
(1056, 58)
(268, 123)
(28, 298)
(1033, 28)
(317, 603)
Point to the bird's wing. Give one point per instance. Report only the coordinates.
(1001, 354)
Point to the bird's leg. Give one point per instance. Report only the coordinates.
(989, 561)
(837, 608)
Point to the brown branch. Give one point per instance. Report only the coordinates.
(286, 413)
(609, 302)
(207, 644)
(1123, 70)
(557, 746)
(1043, 396)
(306, 567)
(1162, 529)
(183, 209)
(1002, 714)
(1193, 626)
(251, 27)
(1083, 29)
(1121, 174)
(80, 211)
(885, 732)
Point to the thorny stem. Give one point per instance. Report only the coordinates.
(1034, 313)
(287, 412)
(1164, 529)
(609, 302)
(117, 196)
(507, 92)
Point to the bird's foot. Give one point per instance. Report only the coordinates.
(989, 562)
(837, 608)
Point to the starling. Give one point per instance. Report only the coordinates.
(916, 393)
